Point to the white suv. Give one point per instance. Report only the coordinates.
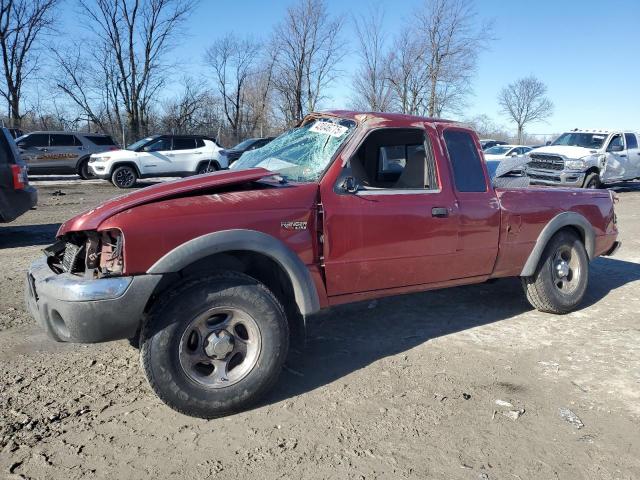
(158, 156)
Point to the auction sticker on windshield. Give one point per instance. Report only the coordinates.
(328, 128)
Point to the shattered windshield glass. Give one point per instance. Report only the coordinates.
(301, 154)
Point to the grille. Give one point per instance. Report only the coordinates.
(551, 178)
(546, 162)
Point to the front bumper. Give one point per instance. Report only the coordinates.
(565, 178)
(71, 308)
(99, 170)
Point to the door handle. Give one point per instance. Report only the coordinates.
(197, 153)
(623, 155)
(440, 212)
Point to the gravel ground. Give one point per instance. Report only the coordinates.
(465, 383)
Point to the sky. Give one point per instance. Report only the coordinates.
(587, 52)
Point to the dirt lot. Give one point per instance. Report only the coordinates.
(405, 387)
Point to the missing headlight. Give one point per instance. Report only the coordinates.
(110, 257)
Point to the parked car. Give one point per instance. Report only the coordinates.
(61, 153)
(488, 143)
(158, 156)
(16, 195)
(236, 152)
(499, 153)
(586, 158)
(218, 273)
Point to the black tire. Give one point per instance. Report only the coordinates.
(83, 170)
(163, 335)
(546, 289)
(592, 181)
(124, 176)
(208, 167)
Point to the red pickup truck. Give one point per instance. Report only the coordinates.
(217, 273)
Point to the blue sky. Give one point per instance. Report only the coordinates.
(586, 51)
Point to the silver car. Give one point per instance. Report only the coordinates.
(61, 153)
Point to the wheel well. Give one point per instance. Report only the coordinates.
(261, 267)
(574, 229)
(124, 164)
(592, 170)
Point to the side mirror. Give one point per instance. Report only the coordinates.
(615, 148)
(514, 154)
(350, 185)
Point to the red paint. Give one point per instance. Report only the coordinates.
(373, 245)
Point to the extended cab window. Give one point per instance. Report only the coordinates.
(394, 159)
(181, 143)
(468, 174)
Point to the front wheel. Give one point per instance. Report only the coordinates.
(83, 170)
(592, 181)
(560, 280)
(215, 345)
(124, 177)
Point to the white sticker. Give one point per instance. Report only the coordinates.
(328, 128)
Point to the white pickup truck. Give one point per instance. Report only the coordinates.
(586, 158)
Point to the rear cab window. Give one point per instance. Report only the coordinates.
(468, 174)
(632, 141)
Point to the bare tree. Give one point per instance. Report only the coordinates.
(308, 49)
(22, 24)
(184, 114)
(235, 63)
(370, 83)
(407, 73)
(132, 39)
(452, 44)
(525, 101)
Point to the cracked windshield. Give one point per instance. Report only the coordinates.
(301, 154)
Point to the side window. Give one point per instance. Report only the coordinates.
(632, 141)
(394, 159)
(467, 167)
(615, 144)
(182, 143)
(199, 143)
(63, 140)
(159, 145)
(35, 140)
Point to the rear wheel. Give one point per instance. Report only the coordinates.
(215, 345)
(207, 167)
(83, 170)
(124, 177)
(592, 181)
(560, 280)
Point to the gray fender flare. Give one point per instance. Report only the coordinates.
(564, 219)
(306, 295)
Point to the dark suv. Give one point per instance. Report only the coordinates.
(62, 153)
(16, 195)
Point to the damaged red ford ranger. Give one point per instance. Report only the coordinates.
(217, 274)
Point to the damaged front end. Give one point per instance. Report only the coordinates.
(90, 254)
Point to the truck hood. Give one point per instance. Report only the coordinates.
(91, 219)
(567, 151)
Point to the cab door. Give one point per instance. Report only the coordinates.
(185, 154)
(633, 156)
(616, 159)
(33, 149)
(396, 225)
(154, 157)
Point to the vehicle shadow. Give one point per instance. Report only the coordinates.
(624, 187)
(345, 339)
(28, 235)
